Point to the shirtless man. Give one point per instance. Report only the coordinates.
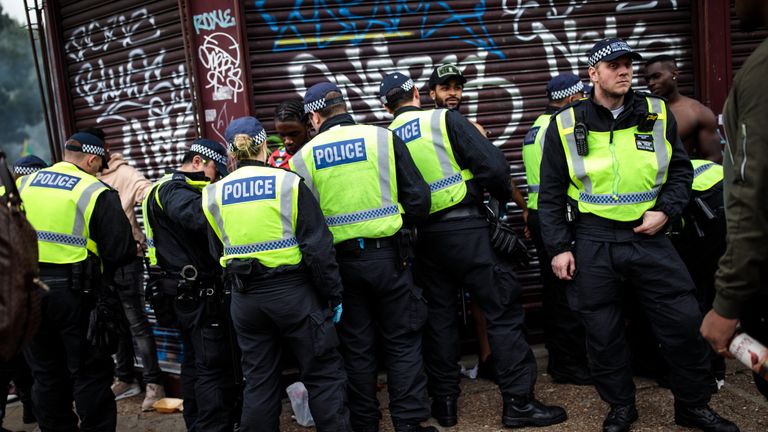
(696, 124)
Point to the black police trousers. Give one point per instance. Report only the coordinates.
(65, 366)
(286, 308)
(450, 256)
(564, 334)
(611, 258)
(381, 303)
(208, 375)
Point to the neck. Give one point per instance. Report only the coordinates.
(608, 101)
(674, 96)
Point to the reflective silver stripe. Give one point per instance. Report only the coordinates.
(382, 145)
(445, 182)
(628, 198)
(698, 171)
(439, 144)
(78, 227)
(659, 140)
(63, 239)
(301, 169)
(24, 181)
(261, 247)
(363, 215)
(286, 204)
(215, 211)
(568, 121)
(533, 188)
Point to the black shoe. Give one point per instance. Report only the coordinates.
(28, 416)
(444, 410)
(620, 418)
(412, 426)
(704, 418)
(521, 412)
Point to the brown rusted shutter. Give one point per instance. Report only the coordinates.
(508, 51)
(743, 43)
(125, 62)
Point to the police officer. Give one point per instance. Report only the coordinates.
(564, 334)
(177, 241)
(372, 195)
(28, 165)
(616, 164)
(454, 250)
(279, 260)
(80, 228)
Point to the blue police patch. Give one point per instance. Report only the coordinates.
(339, 153)
(55, 180)
(530, 137)
(409, 131)
(248, 189)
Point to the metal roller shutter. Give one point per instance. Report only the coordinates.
(508, 51)
(127, 74)
(743, 43)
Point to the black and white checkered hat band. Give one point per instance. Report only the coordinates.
(607, 50)
(407, 85)
(572, 90)
(210, 154)
(23, 170)
(92, 149)
(258, 139)
(314, 106)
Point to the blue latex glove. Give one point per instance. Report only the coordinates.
(337, 313)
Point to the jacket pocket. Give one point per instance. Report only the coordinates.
(324, 337)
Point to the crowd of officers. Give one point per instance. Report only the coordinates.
(364, 239)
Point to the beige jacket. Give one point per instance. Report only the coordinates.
(132, 187)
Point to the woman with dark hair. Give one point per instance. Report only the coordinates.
(292, 125)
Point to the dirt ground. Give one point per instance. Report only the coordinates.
(480, 408)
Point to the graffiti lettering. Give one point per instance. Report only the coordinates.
(211, 20)
(148, 100)
(220, 54)
(338, 24)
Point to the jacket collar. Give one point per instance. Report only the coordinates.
(337, 120)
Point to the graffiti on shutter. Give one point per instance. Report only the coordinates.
(128, 76)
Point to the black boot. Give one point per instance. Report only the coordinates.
(444, 410)
(620, 418)
(412, 426)
(704, 418)
(527, 411)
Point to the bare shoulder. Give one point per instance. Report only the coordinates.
(480, 128)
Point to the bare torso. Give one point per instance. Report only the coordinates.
(697, 128)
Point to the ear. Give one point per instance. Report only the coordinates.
(316, 120)
(432, 94)
(675, 74)
(416, 96)
(592, 74)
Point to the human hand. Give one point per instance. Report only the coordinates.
(719, 331)
(653, 221)
(564, 265)
(337, 310)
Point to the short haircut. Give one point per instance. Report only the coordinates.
(189, 156)
(396, 97)
(335, 109)
(663, 58)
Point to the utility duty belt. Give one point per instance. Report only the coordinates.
(186, 287)
(592, 220)
(358, 244)
(85, 275)
(458, 212)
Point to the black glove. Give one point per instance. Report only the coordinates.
(107, 323)
(508, 244)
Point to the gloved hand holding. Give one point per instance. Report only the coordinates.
(337, 310)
